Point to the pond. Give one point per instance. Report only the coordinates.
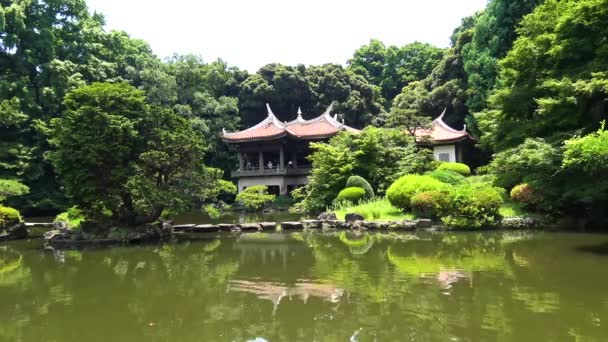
(312, 286)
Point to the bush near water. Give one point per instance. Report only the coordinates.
(8, 217)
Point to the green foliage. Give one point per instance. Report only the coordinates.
(460, 168)
(9, 187)
(447, 176)
(588, 153)
(351, 194)
(212, 211)
(391, 68)
(525, 194)
(8, 217)
(254, 197)
(378, 209)
(378, 155)
(429, 204)
(360, 182)
(532, 162)
(312, 89)
(73, 217)
(554, 81)
(116, 153)
(472, 206)
(402, 190)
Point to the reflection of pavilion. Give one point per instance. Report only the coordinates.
(275, 292)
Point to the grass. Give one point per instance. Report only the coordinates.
(377, 209)
(512, 209)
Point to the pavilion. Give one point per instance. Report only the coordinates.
(449, 145)
(273, 153)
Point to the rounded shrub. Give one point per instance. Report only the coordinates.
(523, 193)
(360, 182)
(447, 176)
(8, 217)
(402, 190)
(353, 194)
(472, 206)
(429, 204)
(463, 169)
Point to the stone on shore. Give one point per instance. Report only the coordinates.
(312, 224)
(370, 225)
(424, 223)
(17, 232)
(406, 225)
(249, 227)
(269, 226)
(205, 228)
(352, 217)
(327, 216)
(291, 225)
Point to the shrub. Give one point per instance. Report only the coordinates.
(10, 188)
(360, 182)
(352, 194)
(402, 190)
(73, 217)
(523, 193)
(472, 206)
(8, 217)
(447, 176)
(254, 197)
(463, 169)
(213, 212)
(429, 204)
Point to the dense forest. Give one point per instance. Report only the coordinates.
(520, 69)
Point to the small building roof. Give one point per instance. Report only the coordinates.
(441, 133)
(322, 127)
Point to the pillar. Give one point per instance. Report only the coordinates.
(282, 157)
(241, 161)
(261, 160)
(294, 159)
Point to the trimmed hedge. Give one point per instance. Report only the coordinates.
(472, 206)
(447, 176)
(353, 194)
(8, 217)
(402, 190)
(523, 193)
(360, 182)
(429, 204)
(460, 168)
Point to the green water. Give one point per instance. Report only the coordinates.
(312, 287)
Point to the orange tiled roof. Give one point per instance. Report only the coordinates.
(321, 127)
(441, 133)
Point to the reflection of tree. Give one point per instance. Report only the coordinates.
(466, 286)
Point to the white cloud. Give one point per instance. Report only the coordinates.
(252, 33)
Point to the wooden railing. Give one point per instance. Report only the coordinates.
(297, 171)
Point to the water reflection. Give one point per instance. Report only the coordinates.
(310, 286)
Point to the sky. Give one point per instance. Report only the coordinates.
(252, 33)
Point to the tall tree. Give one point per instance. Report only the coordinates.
(116, 154)
(554, 82)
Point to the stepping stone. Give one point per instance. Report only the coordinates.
(247, 227)
(291, 225)
(312, 224)
(269, 225)
(205, 228)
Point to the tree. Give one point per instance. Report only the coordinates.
(10, 188)
(117, 155)
(554, 82)
(376, 154)
(48, 48)
(254, 197)
(391, 68)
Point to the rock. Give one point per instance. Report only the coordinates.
(424, 223)
(327, 216)
(205, 228)
(247, 227)
(370, 225)
(183, 227)
(269, 225)
(226, 227)
(53, 235)
(341, 224)
(351, 217)
(166, 228)
(383, 225)
(291, 225)
(330, 224)
(60, 225)
(403, 225)
(518, 223)
(312, 224)
(354, 225)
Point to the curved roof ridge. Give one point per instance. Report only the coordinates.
(439, 121)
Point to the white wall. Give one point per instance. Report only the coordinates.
(281, 181)
(450, 149)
